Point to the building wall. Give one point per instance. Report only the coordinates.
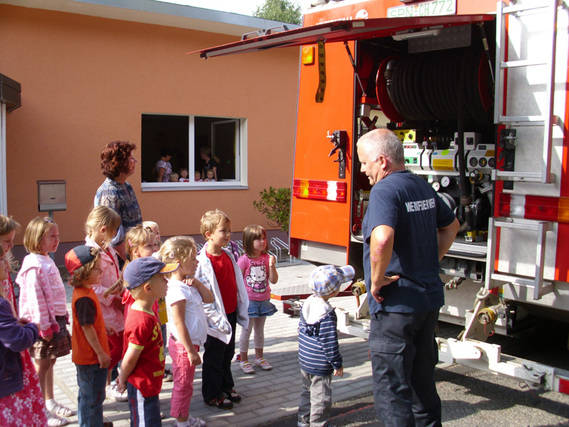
(86, 81)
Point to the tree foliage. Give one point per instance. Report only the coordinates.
(275, 205)
(280, 10)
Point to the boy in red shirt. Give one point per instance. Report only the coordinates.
(143, 362)
(219, 272)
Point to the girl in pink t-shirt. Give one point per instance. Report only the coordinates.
(259, 270)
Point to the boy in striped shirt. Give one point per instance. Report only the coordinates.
(318, 349)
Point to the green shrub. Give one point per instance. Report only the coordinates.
(275, 205)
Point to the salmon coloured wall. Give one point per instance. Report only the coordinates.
(86, 81)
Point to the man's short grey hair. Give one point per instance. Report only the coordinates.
(383, 142)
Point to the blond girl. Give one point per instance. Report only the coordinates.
(162, 311)
(100, 228)
(140, 242)
(188, 326)
(259, 271)
(43, 301)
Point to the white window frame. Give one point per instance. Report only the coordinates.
(241, 183)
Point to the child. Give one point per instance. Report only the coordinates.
(219, 272)
(209, 176)
(21, 402)
(91, 353)
(153, 226)
(143, 362)
(197, 176)
(174, 177)
(318, 349)
(162, 310)
(184, 175)
(8, 230)
(189, 330)
(101, 226)
(43, 301)
(259, 268)
(140, 242)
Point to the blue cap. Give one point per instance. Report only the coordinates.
(327, 279)
(141, 270)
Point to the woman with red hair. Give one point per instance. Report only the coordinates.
(118, 163)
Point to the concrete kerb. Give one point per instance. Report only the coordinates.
(267, 395)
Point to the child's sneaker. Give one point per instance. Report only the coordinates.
(263, 364)
(247, 367)
(196, 422)
(54, 420)
(58, 409)
(168, 377)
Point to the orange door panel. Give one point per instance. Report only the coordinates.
(323, 221)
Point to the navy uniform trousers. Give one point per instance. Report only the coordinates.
(404, 354)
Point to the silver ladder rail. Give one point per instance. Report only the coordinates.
(547, 120)
(539, 285)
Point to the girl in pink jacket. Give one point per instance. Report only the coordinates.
(43, 301)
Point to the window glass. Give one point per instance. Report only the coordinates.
(194, 144)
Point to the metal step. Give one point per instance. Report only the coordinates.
(522, 176)
(528, 282)
(537, 283)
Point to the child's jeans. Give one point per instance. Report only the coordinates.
(183, 379)
(315, 400)
(92, 381)
(144, 411)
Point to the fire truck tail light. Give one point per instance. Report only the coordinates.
(564, 385)
(320, 190)
(546, 208)
(534, 207)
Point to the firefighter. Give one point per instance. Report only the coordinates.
(407, 230)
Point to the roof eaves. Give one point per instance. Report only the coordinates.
(158, 13)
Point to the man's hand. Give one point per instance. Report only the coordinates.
(375, 288)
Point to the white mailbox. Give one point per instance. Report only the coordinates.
(51, 196)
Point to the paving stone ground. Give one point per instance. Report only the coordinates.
(267, 395)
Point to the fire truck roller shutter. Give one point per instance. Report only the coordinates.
(424, 86)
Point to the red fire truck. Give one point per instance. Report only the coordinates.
(477, 93)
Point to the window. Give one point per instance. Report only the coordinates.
(190, 141)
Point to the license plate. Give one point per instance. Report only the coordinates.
(428, 8)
